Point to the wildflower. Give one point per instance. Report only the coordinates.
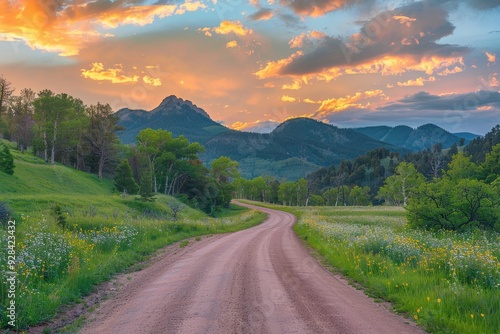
(428, 299)
(472, 316)
(415, 317)
(439, 300)
(482, 315)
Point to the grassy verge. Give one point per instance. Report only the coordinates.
(62, 254)
(446, 282)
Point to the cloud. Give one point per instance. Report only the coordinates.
(387, 44)
(151, 81)
(286, 98)
(491, 57)
(305, 38)
(231, 44)
(115, 75)
(256, 126)
(307, 100)
(456, 102)
(262, 14)
(493, 81)
(447, 71)
(232, 27)
(343, 103)
(317, 8)
(65, 27)
(295, 85)
(416, 82)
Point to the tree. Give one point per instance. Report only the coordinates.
(51, 111)
(22, 110)
(101, 136)
(146, 186)
(461, 167)
(490, 168)
(5, 92)
(452, 205)
(287, 193)
(6, 160)
(399, 187)
(124, 181)
(360, 196)
(302, 192)
(224, 169)
(176, 207)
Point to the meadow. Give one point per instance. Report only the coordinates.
(446, 282)
(72, 232)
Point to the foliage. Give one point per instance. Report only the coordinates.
(124, 180)
(6, 161)
(399, 187)
(59, 215)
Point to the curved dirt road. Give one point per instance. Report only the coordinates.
(259, 280)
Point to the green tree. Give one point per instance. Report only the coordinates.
(124, 180)
(302, 192)
(490, 168)
(360, 196)
(461, 167)
(452, 205)
(224, 170)
(146, 186)
(399, 187)
(100, 137)
(6, 160)
(287, 193)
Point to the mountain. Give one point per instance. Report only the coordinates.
(418, 139)
(181, 117)
(292, 150)
(467, 136)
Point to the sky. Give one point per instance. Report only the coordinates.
(251, 64)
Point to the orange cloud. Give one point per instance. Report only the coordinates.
(295, 85)
(67, 27)
(491, 57)
(300, 40)
(447, 71)
(349, 101)
(227, 27)
(418, 82)
(316, 8)
(115, 75)
(273, 68)
(152, 81)
(231, 44)
(307, 100)
(493, 81)
(137, 15)
(286, 98)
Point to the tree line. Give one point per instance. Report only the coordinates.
(60, 128)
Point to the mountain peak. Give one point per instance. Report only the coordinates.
(177, 104)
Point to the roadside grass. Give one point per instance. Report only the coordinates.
(104, 234)
(447, 282)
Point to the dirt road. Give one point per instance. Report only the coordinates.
(259, 280)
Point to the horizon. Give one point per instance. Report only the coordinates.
(253, 64)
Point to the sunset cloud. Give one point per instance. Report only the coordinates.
(343, 103)
(368, 52)
(418, 82)
(286, 98)
(295, 85)
(151, 81)
(262, 14)
(231, 44)
(232, 27)
(67, 27)
(315, 8)
(115, 75)
(491, 57)
(304, 38)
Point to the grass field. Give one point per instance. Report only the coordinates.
(446, 282)
(104, 233)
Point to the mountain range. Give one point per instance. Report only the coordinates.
(292, 150)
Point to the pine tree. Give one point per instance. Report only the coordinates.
(146, 187)
(6, 161)
(124, 181)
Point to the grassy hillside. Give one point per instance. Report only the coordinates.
(101, 233)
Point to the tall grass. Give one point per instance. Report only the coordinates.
(446, 282)
(55, 267)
